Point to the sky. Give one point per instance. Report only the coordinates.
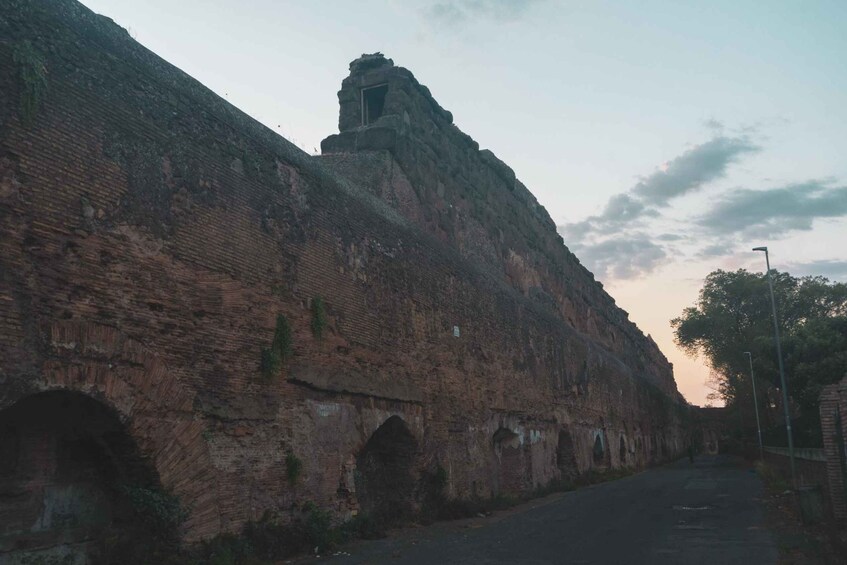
(665, 139)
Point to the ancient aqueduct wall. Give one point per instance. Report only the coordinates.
(151, 234)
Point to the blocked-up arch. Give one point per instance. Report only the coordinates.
(384, 478)
(154, 408)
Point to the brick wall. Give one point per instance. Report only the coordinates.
(150, 235)
(833, 407)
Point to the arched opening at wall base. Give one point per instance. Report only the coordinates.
(73, 485)
(566, 455)
(600, 455)
(622, 451)
(385, 484)
(512, 476)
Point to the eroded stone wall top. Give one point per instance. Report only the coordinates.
(472, 200)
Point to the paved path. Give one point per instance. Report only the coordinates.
(706, 513)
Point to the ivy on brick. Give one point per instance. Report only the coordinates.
(318, 317)
(275, 356)
(32, 71)
(293, 467)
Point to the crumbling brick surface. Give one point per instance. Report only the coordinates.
(151, 234)
(416, 160)
(833, 408)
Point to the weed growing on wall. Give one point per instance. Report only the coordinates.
(274, 357)
(282, 338)
(159, 510)
(32, 72)
(318, 317)
(293, 467)
(270, 363)
(146, 531)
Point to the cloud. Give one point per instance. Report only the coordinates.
(692, 169)
(670, 237)
(776, 211)
(614, 244)
(624, 257)
(713, 124)
(456, 13)
(832, 269)
(719, 249)
(686, 173)
(621, 210)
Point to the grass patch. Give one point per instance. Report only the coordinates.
(773, 479)
(147, 530)
(268, 541)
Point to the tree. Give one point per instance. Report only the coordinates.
(733, 315)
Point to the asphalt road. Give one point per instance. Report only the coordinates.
(706, 513)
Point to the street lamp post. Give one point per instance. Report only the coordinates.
(781, 369)
(756, 406)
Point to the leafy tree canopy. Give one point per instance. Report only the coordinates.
(733, 315)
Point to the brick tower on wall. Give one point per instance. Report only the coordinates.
(377, 103)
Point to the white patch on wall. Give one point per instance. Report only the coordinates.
(327, 409)
(456, 332)
(598, 433)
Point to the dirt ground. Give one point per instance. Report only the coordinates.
(799, 543)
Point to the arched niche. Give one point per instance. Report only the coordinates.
(384, 477)
(600, 455)
(512, 475)
(622, 451)
(156, 409)
(70, 474)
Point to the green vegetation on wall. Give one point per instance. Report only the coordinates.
(271, 363)
(318, 317)
(159, 510)
(32, 71)
(274, 357)
(293, 467)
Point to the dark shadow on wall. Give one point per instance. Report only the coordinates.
(385, 485)
(565, 455)
(72, 480)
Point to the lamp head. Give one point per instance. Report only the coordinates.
(748, 354)
(765, 249)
